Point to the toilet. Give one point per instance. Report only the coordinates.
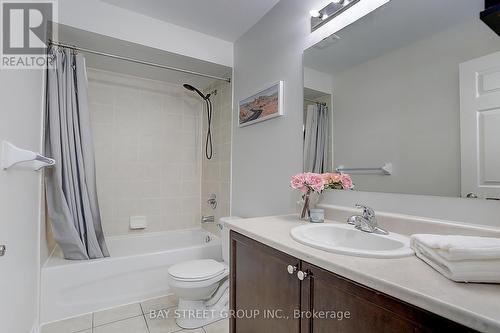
(202, 286)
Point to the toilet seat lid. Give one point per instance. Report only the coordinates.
(196, 269)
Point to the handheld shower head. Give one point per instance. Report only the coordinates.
(208, 142)
(191, 88)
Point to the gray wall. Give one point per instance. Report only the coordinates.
(265, 155)
(404, 108)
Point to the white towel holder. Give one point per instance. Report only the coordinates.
(12, 155)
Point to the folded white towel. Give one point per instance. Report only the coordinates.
(460, 247)
(460, 258)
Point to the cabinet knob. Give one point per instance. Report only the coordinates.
(302, 275)
(291, 269)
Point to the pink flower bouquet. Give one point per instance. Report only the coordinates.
(309, 182)
(315, 182)
(337, 181)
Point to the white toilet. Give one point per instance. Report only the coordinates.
(202, 286)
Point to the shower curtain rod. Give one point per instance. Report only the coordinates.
(137, 61)
(312, 101)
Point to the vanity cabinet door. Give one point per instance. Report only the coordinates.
(351, 307)
(260, 282)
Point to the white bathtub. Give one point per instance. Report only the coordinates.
(136, 270)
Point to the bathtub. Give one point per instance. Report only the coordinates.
(135, 271)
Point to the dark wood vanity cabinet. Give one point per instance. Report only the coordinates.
(265, 297)
(260, 282)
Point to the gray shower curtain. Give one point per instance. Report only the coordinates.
(316, 138)
(73, 208)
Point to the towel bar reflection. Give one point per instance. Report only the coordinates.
(12, 155)
(386, 169)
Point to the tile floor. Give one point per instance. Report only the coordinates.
(132, 318)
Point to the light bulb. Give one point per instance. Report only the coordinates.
(314, 13)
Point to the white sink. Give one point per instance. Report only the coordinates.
(344, 239)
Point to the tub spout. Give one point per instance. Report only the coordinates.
(208, 219)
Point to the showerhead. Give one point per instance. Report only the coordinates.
(208, 143)
(191, 88)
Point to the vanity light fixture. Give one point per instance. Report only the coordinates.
(314, 13)
(333, 9)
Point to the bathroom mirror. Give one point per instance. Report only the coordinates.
(407, 100)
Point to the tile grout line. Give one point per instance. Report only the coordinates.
(93, 325)
(146, 322)
(115, 321)
(144, 317)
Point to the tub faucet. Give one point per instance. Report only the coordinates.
(207, 219)
(212, 200)
(366, 222)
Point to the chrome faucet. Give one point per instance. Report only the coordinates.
(366, 222)
(212, 200)
(207, 219)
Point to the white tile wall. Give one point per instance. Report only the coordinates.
(147, 137)
(216, 173)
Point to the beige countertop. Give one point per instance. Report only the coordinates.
(409, 279)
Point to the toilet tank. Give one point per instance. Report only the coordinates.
(224, 235)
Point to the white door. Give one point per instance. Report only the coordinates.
(480, 126)
(20, 122)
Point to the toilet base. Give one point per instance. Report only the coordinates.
(195, 314)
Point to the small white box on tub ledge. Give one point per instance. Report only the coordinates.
(138, 222)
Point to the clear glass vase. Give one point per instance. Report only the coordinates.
(309, 201)
(306, 206)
